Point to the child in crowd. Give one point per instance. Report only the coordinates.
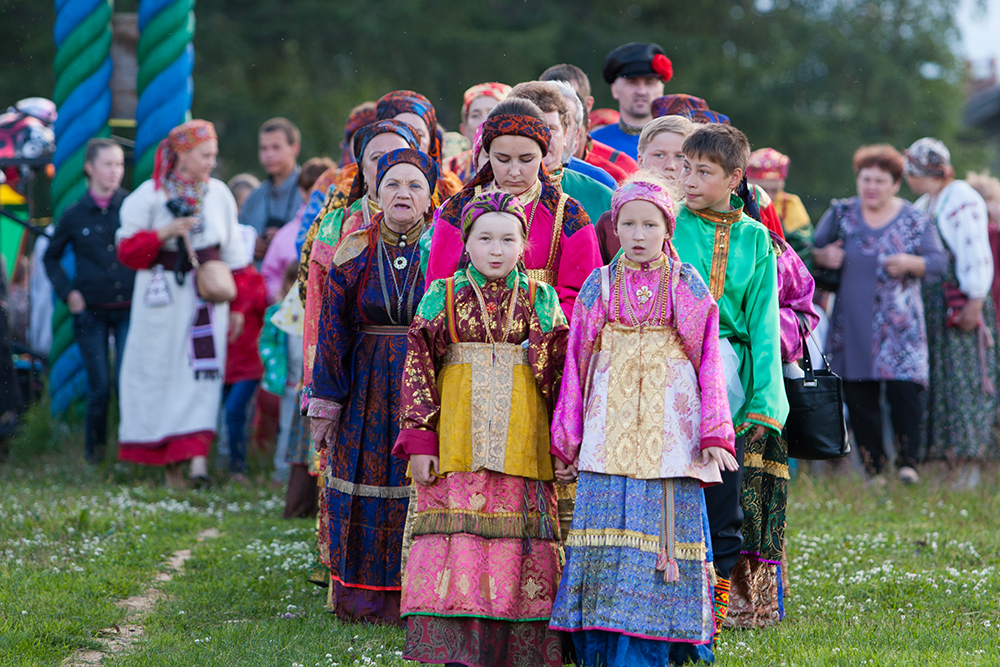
(243, 365)
(282, 357)
(482, 368)
(659, 151)
(643, 419)
(735, 256)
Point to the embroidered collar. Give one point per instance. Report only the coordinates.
(407, 238)
(644, 266)
(556, 175)
(481, 280)
(628, 129)
(723, 217)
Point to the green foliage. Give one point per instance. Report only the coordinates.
(813, 79)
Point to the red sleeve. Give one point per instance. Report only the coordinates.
(140, 250)
(769, 216)
(414, 441)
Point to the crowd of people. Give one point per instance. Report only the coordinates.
(534, 389)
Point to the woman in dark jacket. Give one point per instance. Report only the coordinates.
(100, 294)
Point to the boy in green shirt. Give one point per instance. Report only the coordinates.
(734, 255)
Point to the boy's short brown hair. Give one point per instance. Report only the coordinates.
(722, 144)
(283, 125)
(546, 95)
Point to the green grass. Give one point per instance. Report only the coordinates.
(890, 576)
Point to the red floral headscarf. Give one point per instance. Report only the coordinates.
(182, 138)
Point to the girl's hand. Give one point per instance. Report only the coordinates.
(424, 467)
(723, 458)
(565, 474)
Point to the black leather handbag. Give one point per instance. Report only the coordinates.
(815, 428)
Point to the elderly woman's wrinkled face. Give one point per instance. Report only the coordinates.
(404, 196)
(379, 145)
(198, 163)
(876, 188)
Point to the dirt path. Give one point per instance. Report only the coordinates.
(120, 638)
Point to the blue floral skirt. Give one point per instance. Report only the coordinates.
(618, 605)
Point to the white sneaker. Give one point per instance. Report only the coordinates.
(908, 475)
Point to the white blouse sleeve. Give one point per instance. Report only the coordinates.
(962, 220)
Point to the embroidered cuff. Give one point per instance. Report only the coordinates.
(764, 420)
(715, 441)
(415, 441)
(324, 409)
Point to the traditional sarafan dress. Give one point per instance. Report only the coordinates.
(482, 367)
(372, 292)
(643, 392)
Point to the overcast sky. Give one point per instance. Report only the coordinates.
(981, 34)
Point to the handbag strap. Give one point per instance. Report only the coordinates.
(806, 333)
(192, 255)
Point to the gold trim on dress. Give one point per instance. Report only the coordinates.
(632, 539)
(365, 490)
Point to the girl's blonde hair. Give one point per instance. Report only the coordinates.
(676, 124)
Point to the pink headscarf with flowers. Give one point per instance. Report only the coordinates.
(646, 189)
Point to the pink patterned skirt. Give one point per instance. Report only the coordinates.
(483, 572)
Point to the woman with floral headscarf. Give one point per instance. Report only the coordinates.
(171, 376)
(561, 248)
(962, 398)
(373, 287)
(482, 367)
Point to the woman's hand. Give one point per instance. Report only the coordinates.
(902, 264)
(722, 457)
(970, 315)
(322, 431)
(76, 302)
(423, 467)
(179, 227)
(830, 256)
(565, 474)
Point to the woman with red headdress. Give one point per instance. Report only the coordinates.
(171, 373)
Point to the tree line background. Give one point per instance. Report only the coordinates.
(813, 78)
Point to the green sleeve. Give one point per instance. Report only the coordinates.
(767, 404)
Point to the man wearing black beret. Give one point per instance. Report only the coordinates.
(636, 73)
